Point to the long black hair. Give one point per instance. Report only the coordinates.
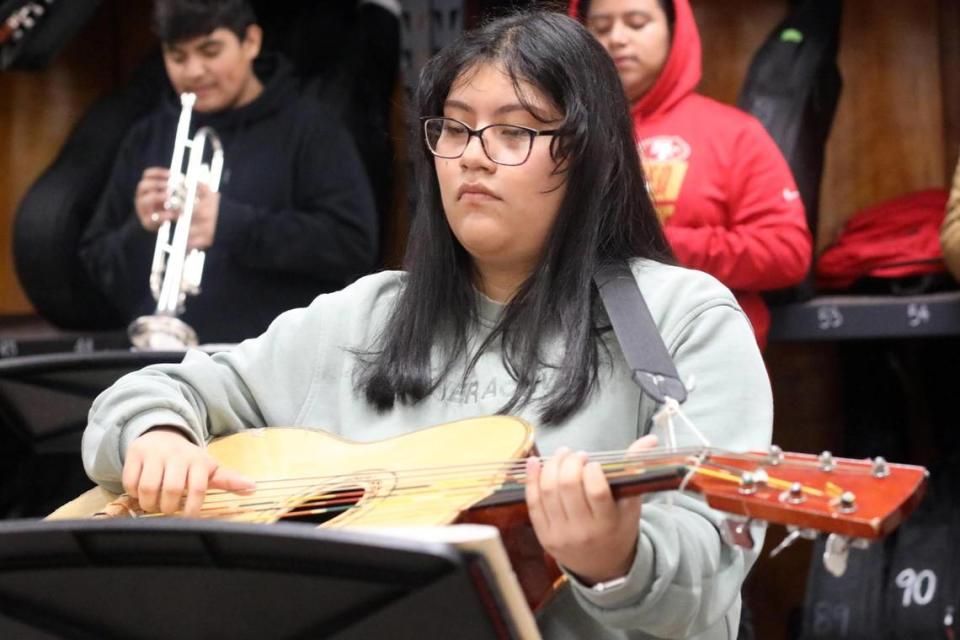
(606, 215)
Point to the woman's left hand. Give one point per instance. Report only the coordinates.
(576, 517)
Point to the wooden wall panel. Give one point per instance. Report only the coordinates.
(949, 37)
(38, 109)
(888, 136)
(731, 31)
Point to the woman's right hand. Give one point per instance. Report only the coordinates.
(162, 465)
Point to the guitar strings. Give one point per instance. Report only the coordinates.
(344, 500)
(508, 469)
(465, 483)
(514, 469)
(341, 500)
(505, 472)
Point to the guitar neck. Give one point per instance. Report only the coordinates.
(661, 478)
(857, 498)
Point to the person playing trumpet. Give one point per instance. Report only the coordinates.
(294, 216)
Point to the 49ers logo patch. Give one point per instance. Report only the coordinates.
(665, 161)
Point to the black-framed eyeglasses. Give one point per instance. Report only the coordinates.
(506, 144)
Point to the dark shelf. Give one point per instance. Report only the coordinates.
(853, 317)
(33, 336)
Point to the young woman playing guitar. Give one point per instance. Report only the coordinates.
(528, 182)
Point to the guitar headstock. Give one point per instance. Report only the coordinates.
(855, 498)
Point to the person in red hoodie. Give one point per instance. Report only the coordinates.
(729, 204)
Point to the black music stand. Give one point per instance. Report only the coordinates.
(190, 579)
(44, 401)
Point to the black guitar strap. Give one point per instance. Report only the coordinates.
(642, 345)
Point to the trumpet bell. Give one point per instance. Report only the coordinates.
(161, 333)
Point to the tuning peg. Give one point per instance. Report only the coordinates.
(748, 483)
(881, 468)
(736, 532)
(775, 455)
(848, 502)
(837, 550)
(827, 463)
(793, 495)
(795, 532)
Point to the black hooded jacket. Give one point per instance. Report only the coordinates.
(296, 216)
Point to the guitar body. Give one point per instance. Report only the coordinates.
(293, 467)
(420, 479)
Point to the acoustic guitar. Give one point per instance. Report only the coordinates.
(473, 471)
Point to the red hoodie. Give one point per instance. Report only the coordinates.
(729, 203)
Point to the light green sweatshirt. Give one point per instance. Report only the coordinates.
(685, 582)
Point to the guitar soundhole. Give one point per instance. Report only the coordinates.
(321, 506)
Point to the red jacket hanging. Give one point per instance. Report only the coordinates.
(893, 239)
(729, 203)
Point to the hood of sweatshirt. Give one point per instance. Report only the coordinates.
(682, 71)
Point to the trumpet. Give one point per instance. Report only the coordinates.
(176, 272)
